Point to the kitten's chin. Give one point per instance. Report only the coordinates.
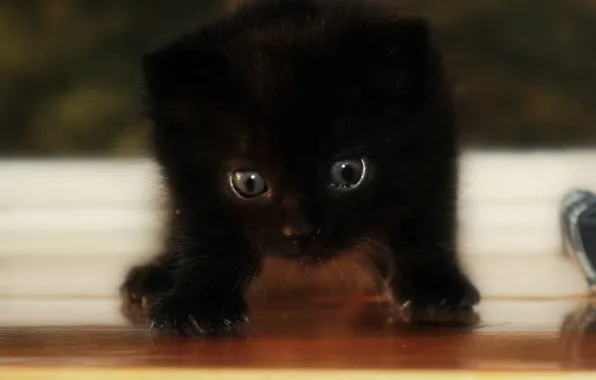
(311, 260)
(314, 258)
(311, 257)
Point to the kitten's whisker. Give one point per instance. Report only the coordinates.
(338, 269)
(292, 270)
(361, 274)
(363, 260)
(241, 278)
(376, 271)
(326, 270)
(386, 286)
(377, 243)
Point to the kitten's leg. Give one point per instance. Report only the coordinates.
(208, 293)
(428, 275)
(144, 283)
(436, 282)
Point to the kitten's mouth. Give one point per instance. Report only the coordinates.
(316, 257)
(311, 257)
(310, 260)
(308, 255)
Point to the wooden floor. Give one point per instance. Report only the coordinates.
(319, 335)
(305, 335)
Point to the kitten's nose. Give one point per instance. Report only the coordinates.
(298, 233)
(295, 227)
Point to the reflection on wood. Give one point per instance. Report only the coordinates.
(319, 320)
(303, 334)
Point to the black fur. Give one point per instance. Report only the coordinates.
(287, 88)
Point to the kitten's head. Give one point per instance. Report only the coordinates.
(307, 125)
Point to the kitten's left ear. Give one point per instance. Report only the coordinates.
(413, 34)
(392, 34)
(394, 45)
(180, 71)
(406, 38)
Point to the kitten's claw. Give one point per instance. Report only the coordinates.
(450, 301)
(134, 288)
(197, 329)
(139, 289)
(169, 317)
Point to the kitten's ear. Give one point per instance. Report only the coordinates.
(412, 32)
(181, 73)
(403, 38)
(411, 40)
(400, 50)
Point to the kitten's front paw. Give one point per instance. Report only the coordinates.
(141, 286)
(136, 291)
(185, 318)
(441, 298)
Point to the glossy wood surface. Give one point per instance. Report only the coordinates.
(307, 334)
(331, 334)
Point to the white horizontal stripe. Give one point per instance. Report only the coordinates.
(72, 312)
(114, 243)
(107, 243)
(538, 175)
(513, 242)
(490, 215)
(509, 203)
(523, 215)
(63, 183)
(80, 220)
(72, 275)
(485, 175)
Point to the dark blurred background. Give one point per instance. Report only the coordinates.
(525, 71)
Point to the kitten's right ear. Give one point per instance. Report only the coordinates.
(181, 72)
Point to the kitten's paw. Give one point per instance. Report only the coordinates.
(449, 299)
(178, 317)
(141, 285)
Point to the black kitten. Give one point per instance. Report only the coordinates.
(303, 130)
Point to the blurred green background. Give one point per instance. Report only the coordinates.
(525, 70)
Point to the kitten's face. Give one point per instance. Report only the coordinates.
(306, 138)
(309, 208)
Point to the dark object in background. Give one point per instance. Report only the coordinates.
(578, 222)
(303, 130)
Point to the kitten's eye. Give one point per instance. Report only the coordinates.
(347, 174)
(248, 184)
